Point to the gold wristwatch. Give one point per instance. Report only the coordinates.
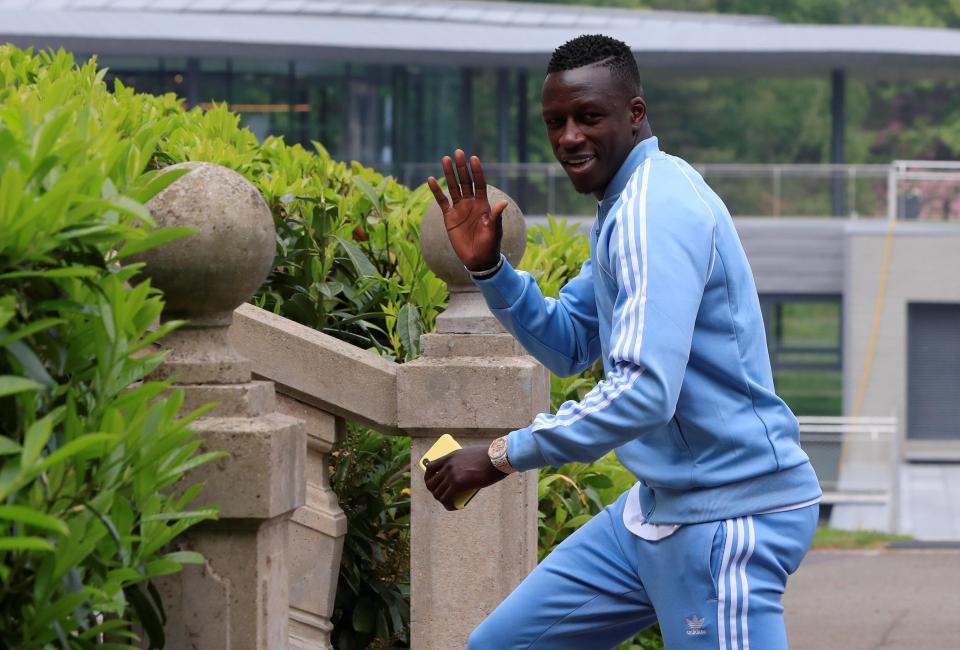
(498, 455)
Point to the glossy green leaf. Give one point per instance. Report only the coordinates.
(185, 557)
(36, 438)
(8, 446)
(358, 258)
(29, 330)
(153, 240)
(11, 385)
(33, 518)
(24, 544)
(408, 328)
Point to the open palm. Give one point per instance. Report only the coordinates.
(475, 229)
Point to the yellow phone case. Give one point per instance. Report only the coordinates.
(443, 446)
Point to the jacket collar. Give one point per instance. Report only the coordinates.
(643, 150)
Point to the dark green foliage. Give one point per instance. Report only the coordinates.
(88, 448)
(372, 480)
(745, 119)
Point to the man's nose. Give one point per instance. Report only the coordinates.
(570, 134)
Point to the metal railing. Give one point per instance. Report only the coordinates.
(911, 190)
(857, 460)
(924, 190)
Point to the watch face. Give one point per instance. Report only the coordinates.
(498, 447)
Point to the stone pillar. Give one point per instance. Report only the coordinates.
(474, 382)
(317, 532)
(239, 599)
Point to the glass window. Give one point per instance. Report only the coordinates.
(261, 93)
(155, 75)
(804, 339)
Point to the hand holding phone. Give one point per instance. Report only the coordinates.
(443, 446)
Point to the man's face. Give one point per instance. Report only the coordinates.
(592, 124)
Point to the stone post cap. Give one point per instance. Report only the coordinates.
(438, 252)
(205, 276)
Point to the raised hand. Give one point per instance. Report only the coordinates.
(474, 228)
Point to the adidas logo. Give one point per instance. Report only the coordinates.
(695, 625)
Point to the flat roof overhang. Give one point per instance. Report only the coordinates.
(694, 44)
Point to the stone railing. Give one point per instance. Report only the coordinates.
(284, 391)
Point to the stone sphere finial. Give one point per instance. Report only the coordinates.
(438, 252)
(205, 276)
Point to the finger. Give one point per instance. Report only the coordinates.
(466, 185)
(497, 212)
(435, 482)
(434, 467)
(452, 185)
(447, 497)
(479, 182)
(438, 194)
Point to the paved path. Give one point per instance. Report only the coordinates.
(875, 600)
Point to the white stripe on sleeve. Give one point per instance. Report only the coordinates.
(627, 345)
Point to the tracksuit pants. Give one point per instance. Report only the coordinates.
(714, 585)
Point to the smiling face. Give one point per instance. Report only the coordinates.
(593, 123)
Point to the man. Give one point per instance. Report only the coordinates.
(725, 505)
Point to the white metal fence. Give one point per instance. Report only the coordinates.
(912, 190)
(857, 461)
(924, 190)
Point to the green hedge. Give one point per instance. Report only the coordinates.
(87, 447)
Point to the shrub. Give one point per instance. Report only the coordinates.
(87, 446)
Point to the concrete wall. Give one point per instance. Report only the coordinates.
(924, 267)
(792, 256)
(796, 256)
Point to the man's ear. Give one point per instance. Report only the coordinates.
(638, 111)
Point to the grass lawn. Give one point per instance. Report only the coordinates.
(845, 540)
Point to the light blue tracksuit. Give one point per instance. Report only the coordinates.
(667, 300)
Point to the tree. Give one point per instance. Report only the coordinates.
(779, 120)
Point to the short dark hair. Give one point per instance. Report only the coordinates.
(597, 48)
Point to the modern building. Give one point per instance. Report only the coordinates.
(863, 314)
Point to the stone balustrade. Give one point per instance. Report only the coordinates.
(284, 392)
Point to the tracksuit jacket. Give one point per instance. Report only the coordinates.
(668, 301)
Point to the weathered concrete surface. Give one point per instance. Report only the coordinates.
(317, 532)
(264, 475)
(318, 369)
(201, 355)
(240, 598)
(249, 399)
(467, 345)
(464, 563)
(875, 600)
(473, 382)
(205, 275)
(477, 396)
